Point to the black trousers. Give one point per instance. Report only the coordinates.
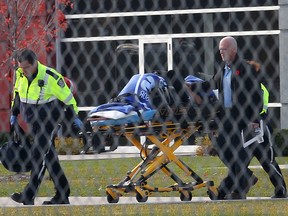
(265, 154)
(231, 152)
(235, 157)
(42, 125)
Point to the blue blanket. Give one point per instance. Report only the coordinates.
(133, 101)
(135, 118)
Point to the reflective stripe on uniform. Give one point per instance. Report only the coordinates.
(68, 98)
(30, 101)
(42, 91)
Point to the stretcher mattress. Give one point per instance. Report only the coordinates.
(116, 117)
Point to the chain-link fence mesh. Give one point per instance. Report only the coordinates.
(109, 43)
(97, 57)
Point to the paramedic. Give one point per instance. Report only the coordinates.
(264, 151)
(37, 89)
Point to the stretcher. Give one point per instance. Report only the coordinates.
(166, 137)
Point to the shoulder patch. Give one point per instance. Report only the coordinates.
(61, 83)
(55, 76)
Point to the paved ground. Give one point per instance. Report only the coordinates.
(86, 201)
(121, 152)
(125, 152)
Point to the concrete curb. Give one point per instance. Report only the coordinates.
(92, 201)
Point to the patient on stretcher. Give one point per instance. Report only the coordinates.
(150, 97)
(132, 105)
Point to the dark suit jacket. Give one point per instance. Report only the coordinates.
(246, 93)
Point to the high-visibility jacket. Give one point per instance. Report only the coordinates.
(265, 99)
(265, 92)
(47, 86)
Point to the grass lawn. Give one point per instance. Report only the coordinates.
(90, 178)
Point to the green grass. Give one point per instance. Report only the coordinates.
(90, 178)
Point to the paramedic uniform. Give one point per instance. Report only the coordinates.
(36, 97)
(265, 153)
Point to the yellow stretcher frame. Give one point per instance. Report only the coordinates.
(155, 159)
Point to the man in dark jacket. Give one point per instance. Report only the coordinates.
(243, 102)
(240, 104)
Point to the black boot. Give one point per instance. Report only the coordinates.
(20, 198)
(56, 200)
(280, 193)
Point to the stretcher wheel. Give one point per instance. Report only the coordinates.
(185, 196)
(110, 199)
(141, 198)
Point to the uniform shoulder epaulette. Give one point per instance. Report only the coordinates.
(51, 73)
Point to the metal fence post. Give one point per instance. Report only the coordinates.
(283, 51)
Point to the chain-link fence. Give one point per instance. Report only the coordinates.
(89, 48)
(152, 74)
